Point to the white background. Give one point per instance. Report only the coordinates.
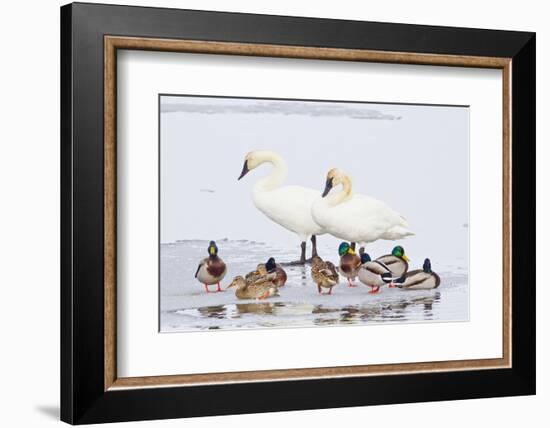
(144, 352)
(29, 231)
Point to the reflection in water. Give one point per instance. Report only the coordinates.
(264, 308)
(285, 313)
(303, 275)
(218, 311)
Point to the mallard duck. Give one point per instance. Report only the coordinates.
(354, 217)
(256, 274)
(420, 279)
(374, 273)
(280, 274)
(324, 274)
(212, 269)
(270, 267)
(261, 288)
(349, 262)
(289, 206)
(397, 262)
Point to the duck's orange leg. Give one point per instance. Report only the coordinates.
(351, 284)
(206, 287)
(319, 288)
(374, 290)
(330, 291)
(264, 296)
(219, 290)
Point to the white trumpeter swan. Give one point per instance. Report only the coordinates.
(355, 217)
(289, 206)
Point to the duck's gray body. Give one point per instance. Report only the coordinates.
(420, 280)
(397, 266)
(370, 273)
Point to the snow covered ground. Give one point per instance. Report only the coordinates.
(185, 306)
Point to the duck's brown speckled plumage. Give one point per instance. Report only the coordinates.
(280, 274)
(256, 274)
(261, 288)
(324, 273)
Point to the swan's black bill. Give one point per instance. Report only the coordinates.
(244, 171)
(328, 186)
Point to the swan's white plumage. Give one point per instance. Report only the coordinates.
(358, 218)
(288, 206)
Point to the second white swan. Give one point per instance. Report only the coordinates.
(289, 206)
(354, 217)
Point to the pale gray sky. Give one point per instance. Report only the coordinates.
(413, 157)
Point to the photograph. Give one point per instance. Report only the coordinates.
(278, 213)
(335, 209)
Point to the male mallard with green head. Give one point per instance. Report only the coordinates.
(349, 262)
(324, 274)
(397, 262)
(420, 279)
(212, 269)
(373, 273)
(261, 288)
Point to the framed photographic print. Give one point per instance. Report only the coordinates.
(281, 213)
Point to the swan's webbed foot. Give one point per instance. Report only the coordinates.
(302, 260)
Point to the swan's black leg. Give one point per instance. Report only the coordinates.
(302, 260)
(313, 246)
(303, 255)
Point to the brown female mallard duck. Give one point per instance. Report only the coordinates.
(212, 269)
(270, 267)
(261, 288)
(256, 274)
(349, 262)
(397, 262)
(420, 279)
(324, 274)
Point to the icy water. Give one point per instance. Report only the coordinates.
(185, 306)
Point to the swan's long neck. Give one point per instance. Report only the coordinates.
(343, 195)
(277, 175)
